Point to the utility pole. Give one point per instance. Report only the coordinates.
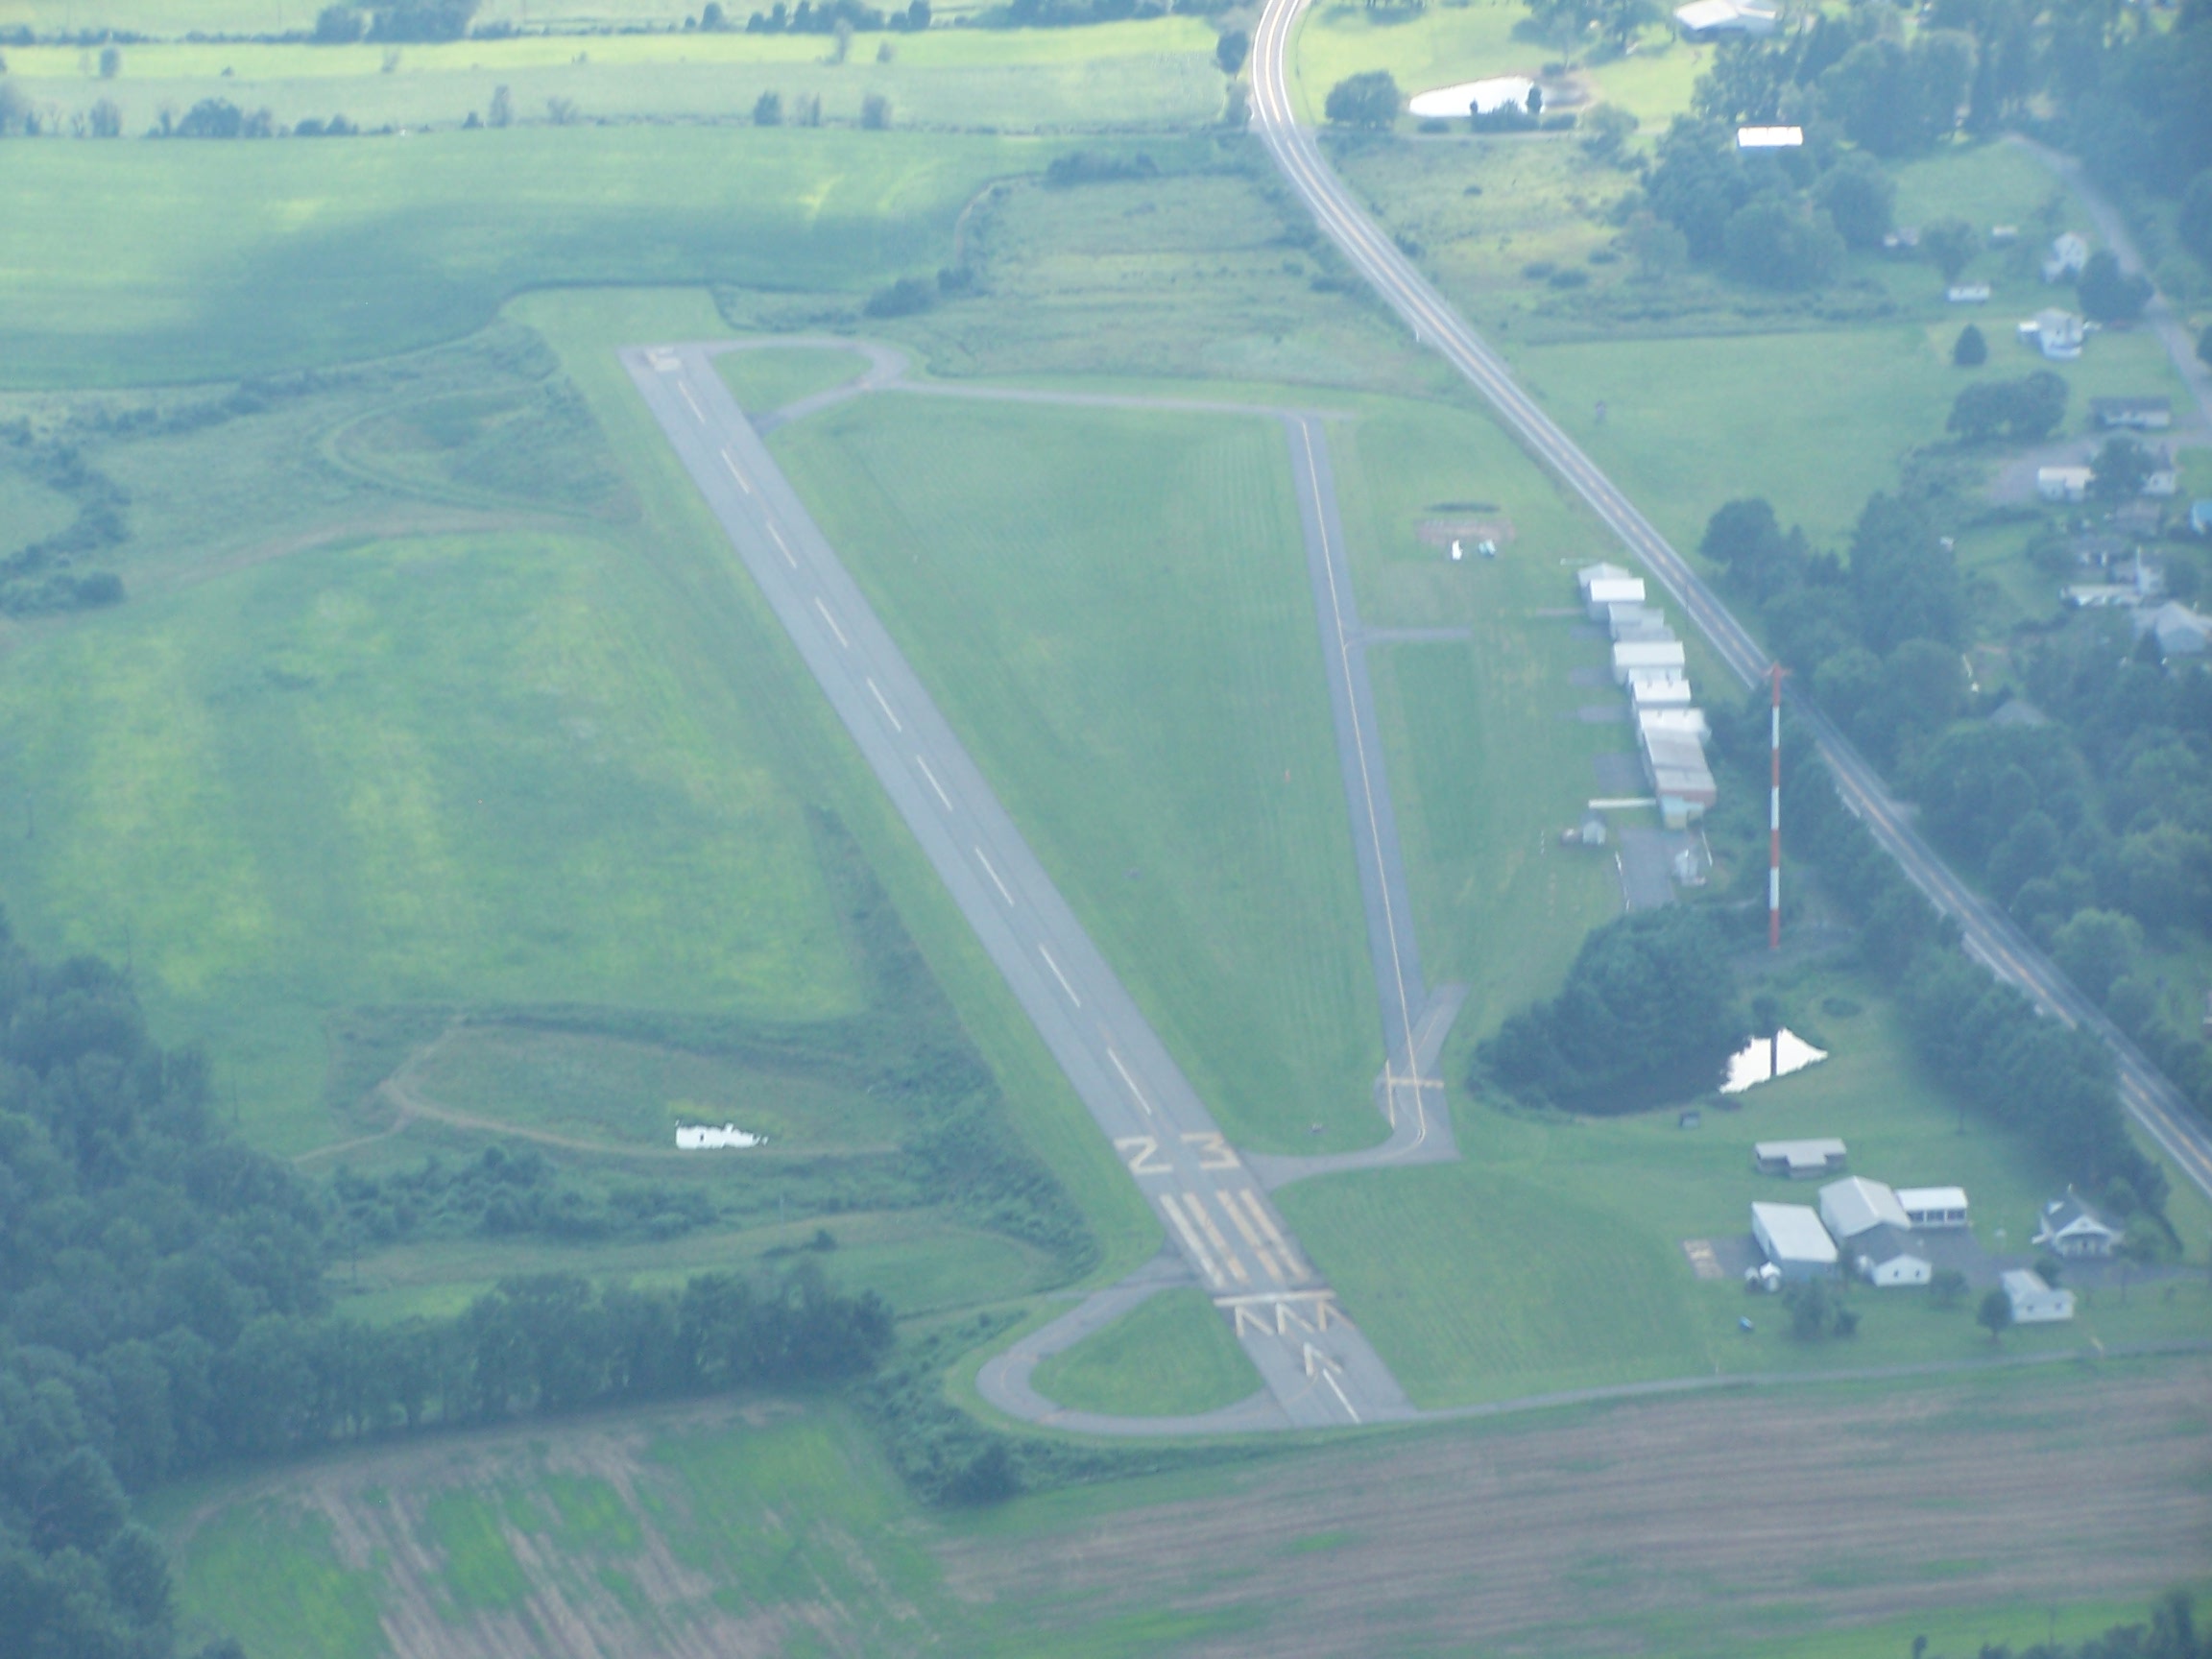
(1774, 820)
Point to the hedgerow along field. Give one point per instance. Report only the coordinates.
(778, 1525)
(1154, 75)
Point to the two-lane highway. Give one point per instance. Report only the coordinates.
(1317, 1367)
(1989, 935)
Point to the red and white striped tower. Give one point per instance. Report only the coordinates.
(1774, 823)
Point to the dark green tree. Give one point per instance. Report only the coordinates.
(1859, 196)
(2119, 469)
(1370, 101)
(1231, 50)
(1995, 1314)
(1971, 350)
(2107, 294)
(1950, 244)
(1777, 243)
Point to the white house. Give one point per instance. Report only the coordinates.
(2033, 1302)
(1710, 20)
(2181, 632)
(1887, 1258)
(1793, 1241)
(1855, 1205)
(1927, 1206)
(2062, 483)
(2056, 333)
(1967, 294)
(2070, 1228)
(2137, 414)
(2067, 255)
(1799, 1160)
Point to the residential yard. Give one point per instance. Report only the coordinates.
(1551, 1256)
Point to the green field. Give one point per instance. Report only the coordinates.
(1169, 1355)
(1135, 76)
(770, 1525)
(136, 264)
(1113, 608)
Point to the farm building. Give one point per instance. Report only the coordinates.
(2062, 483)
(2033, 1302)
(2138, 414)
(1770, 137)
(2070, 1228)
(1855, 1205)
(1799, 1160)
(1604, 585)
(1793, 1241)
(2181, 632)
(1660, 653)
(1934, 1206)
(1886, 1258)
(1967, 294)
(1704, 20)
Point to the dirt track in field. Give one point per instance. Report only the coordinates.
(1720, 1516)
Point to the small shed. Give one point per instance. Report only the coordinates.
(1967, 294)
(1855, 1205)
(2068, 1227)
(1927, 1206)
(2033, 1302)
(2058, 334)
(1886, 1258)
(2062, 483)
(1793, 1241)
(1799, 1160)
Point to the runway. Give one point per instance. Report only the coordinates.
(1317, 1367)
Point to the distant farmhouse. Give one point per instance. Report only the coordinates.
(2068, 1228)
(2068, 254)
(1793, 1241)
(2056, 333)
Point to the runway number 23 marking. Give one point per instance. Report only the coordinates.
(1141, 1153)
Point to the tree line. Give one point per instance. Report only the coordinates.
(163, 1309)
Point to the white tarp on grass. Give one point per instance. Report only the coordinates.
(1764, 1059)
(1499, 93)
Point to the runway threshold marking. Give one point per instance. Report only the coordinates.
(1130, 1081)
(1190, 1236)
(883, 704)
(933, 784)
(984, 858)
(735, 473)
(1056, 974)
(1236, 1268)
(832, 621)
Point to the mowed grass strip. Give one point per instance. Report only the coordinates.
(475, 768)
(1166, 1356)
(764, 379)
(1112, 608)
(141, 263)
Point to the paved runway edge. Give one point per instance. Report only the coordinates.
(1320, 1369)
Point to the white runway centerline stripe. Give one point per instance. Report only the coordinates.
(698, 414)
(933, 784)
(1190, 1236)
(882, 703)
(984, 858)
(730, 462)
(779, 546)
(1129, 1080)
(1056, 974)
(832, 621)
